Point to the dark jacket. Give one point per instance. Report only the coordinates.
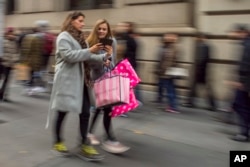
(131, 49)
(10, 52)
(167, 59)
(244, 66)
(202, 56)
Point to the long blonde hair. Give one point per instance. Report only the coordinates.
(93, 36)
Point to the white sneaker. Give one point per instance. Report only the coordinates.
(114, 147)
(92, 109)
(39, 89)
(27, 91)
(124, 115)
(93, 140)
(140, 104)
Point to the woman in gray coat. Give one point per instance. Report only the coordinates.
(70, 92)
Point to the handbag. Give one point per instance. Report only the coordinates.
(111, 90)
(176, 72)
(22, 72)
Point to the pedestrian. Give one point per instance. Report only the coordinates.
(36, 49)
(168, 58)
(202, 58)
(119, 33)
(131, 51)
(8, 60)
(31, 51)
(160, 96)
(102, 31)
(71, 92)
(242, 97)
(48, 40)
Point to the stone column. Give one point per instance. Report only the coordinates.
(2, 11)
(118, 3)
(61, 5)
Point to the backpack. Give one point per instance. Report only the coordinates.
(48, 43)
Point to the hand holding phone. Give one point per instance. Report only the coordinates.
(106, 41)
(108, 49)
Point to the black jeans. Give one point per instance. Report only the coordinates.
(242, 106)
(106, 122)
(209, 91)
(45, 63)
(6, 76)
(1, 69)
(83, 117)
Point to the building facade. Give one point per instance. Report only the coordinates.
(153, 18)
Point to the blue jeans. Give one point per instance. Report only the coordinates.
(168, 84)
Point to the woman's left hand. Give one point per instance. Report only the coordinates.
(107, 63)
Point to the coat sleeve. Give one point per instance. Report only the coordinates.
(68, 54)
(114, 46)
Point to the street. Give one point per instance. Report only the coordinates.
(192, 138)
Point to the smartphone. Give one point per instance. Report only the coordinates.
(106, 41)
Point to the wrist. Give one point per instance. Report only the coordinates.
(90, 50)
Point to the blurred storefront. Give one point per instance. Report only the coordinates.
(153, 18)
(2, 9)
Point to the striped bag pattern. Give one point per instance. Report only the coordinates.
(111, 90)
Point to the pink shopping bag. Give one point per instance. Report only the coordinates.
(124, 68)
(111, 90)
(124, 108)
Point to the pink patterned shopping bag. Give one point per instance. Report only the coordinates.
(111, 90)
(124, 68)
(124, 108)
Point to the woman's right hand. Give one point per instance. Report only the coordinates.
(96, 48)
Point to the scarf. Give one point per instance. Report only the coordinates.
(79, 37)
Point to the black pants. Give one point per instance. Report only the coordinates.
(45, 62)
(106, 122)
(209, 91)
(1, 69)
(83, 117)
(6, 76)
(242, 106)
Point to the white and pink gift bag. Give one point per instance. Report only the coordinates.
(124, 108)
(124, 68)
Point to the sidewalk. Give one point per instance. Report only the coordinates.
(164, 139)
(156, 138)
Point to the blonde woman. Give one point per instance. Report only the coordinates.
(102, 31)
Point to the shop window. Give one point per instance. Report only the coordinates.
(10, 7)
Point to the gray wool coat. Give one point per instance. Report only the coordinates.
(67, 93)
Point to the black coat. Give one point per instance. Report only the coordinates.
(131, 50)
(244, 66)
(202, 57)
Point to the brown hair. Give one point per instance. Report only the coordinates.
(67, 22)
(93, 38)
